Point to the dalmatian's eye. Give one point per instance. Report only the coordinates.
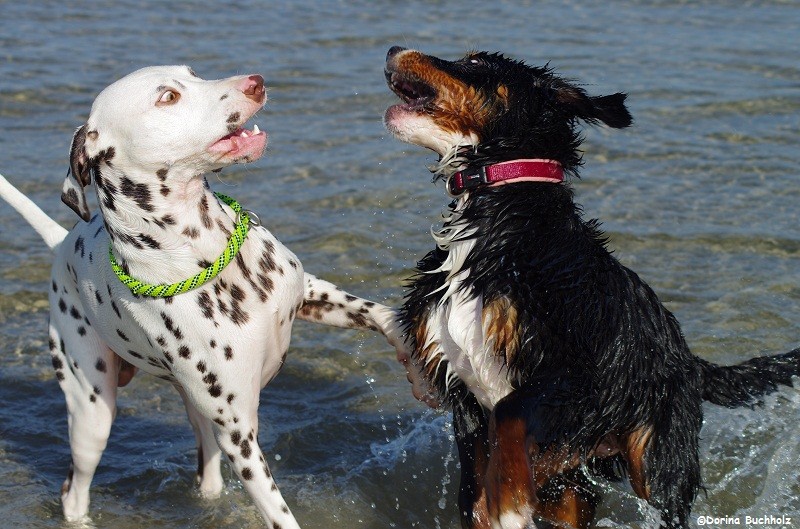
(169, 97)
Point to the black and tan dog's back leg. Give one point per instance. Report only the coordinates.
(663, 462)
(566, 500)
(528, 475)
(87, 372)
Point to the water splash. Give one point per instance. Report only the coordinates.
(448, 458)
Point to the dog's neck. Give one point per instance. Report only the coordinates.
(469, 167)
(165, 230)
(458, 234)
(459, 157)
(450, 162)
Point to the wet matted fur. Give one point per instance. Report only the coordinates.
(557, 361)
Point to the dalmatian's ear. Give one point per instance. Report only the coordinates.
(78, 176)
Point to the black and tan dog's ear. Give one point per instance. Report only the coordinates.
(609, 109)
(78, 176)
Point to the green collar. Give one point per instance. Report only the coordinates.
(166, 291)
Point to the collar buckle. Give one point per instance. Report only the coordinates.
(462, 181)
(252, 217)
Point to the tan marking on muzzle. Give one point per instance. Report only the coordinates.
(457, 107)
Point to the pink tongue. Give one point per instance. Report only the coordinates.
(228, 143)
(237, 145)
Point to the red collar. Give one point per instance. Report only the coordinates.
(536, 170)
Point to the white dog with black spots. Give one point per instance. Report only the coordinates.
(149, 140)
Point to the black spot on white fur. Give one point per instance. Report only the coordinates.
(149, 242)
(139, 193)
(205, 218)
(80, 246)
(171, 327)
(246, 451)
(206, 304)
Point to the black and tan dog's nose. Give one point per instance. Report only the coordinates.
(394, 50)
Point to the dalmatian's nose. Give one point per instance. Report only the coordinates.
(253, 88)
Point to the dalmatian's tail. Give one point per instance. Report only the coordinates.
(51, 231)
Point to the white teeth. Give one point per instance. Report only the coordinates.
(244, 134)
(255, 129)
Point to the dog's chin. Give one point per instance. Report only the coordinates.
(419, 128)
(394, 120)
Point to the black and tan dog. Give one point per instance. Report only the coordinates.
(558, 361)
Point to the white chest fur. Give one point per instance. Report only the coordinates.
(455, 330)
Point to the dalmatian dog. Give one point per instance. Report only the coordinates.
(149, 140)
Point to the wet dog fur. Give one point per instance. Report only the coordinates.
(557, 361)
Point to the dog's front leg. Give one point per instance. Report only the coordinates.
(209, 477)
(228, 398)
(325, 303)
(471, 426)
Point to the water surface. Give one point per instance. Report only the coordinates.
(699, 197)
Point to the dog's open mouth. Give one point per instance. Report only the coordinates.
(417, 94)
(241, 144)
